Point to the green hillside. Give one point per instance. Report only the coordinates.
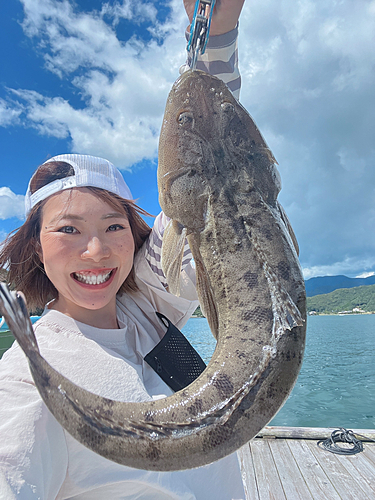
(344, 299)
(198, 313)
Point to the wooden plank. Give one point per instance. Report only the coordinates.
(370, 451)
(348, 464)
(317, 480)
(346, 485)
(268, 480)
(295, 469)
(310, 432)
(293, 482)
(361, 468)
(248, 472)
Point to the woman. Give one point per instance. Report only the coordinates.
(94, 261)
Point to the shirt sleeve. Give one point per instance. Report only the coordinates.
(33, 452)
(153, 249)
(221, 60)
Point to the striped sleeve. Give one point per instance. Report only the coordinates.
(153, 248)
(221, 60)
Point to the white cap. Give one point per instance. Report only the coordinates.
(88, 171)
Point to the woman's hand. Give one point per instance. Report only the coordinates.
(224, 17)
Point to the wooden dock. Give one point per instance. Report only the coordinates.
(285, 463)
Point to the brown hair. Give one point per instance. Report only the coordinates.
(19, 254)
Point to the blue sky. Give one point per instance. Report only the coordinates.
(92, 77)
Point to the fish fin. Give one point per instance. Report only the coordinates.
(13, 308)
(172, 252)
(285, 219)
(269, 155)
(286, 314)
(204, 289)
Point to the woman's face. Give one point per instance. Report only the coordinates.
(87, 249)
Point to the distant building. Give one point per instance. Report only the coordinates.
(355, 310)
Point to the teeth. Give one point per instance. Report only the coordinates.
(92, 279)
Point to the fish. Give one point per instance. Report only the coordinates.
(218, 184)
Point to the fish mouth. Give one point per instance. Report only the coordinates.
(94, 278)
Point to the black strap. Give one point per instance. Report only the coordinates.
(174, 359)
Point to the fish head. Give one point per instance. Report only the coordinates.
(209, 141)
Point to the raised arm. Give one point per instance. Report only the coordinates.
(221, 56)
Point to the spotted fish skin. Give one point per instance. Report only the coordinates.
(219, 185)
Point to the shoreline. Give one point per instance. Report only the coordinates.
(366, 313)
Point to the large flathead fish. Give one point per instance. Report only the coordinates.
(219, 185)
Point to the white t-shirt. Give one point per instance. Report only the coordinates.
(40, 460)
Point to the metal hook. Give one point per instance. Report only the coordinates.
(199, 29)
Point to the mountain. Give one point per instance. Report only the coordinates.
(346, 299)
(326, 284)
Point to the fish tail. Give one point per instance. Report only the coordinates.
(13, 308)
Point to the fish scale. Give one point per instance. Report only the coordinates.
(219, 184)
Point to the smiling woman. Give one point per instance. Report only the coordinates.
(28, 272)
(87, 252)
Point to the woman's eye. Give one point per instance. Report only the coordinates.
(115, 227)
(68, 230)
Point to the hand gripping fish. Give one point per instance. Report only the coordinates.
(218, 183)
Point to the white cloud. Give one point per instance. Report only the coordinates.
(9, 113)
(366, 275)
(123, 85)
(128, 9)
(352, 267)
(11, 205)
(307, 69)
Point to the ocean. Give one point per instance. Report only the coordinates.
(6, 338)
(336, 384)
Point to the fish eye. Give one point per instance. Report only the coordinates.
(227, 107)
(185, 118)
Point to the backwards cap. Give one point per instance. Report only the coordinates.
(88, 171)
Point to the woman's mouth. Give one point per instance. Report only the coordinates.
(91, 278)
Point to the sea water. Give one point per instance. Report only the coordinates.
(336, 384)
(6, 338)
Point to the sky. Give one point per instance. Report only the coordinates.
(92, 77)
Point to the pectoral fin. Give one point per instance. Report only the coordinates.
(172, 253)
(204, 290)
(286, 314)
(285, 219)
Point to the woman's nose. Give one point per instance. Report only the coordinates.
(96, 249)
